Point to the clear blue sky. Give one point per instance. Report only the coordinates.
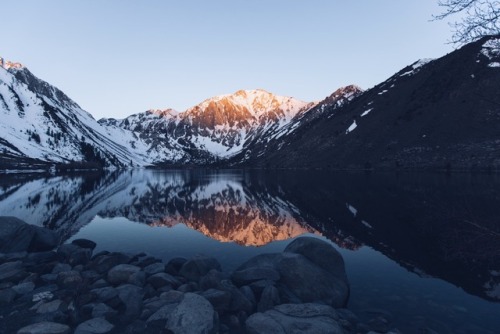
(119, 57)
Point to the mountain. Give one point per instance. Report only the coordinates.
(215, 129)
(433, 114)
(42, 126)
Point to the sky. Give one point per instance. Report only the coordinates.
(120, 57)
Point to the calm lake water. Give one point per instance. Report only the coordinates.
(423, 249)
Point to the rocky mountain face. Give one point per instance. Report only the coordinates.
(217, 128)
(42, 126)
(433, 114)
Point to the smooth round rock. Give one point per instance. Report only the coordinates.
(45, 327)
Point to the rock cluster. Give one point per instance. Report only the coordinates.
(72, 290)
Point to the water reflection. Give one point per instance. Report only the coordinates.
(433, 225)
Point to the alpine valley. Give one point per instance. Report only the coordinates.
(433, 114)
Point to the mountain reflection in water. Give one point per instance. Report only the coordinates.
(433, 225)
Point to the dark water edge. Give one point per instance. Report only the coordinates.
(423, 247)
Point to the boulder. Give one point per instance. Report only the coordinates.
(73, 254)
(131, 296)
(84, 243)
(11, 271)
(24, 288)
(7, 296)
(269, 298)
(121, 273)
(45, 327)
(219, 299)
(105, 261)
(102, 310)
(49, 307)
(310, 283)
(252, 274)
(162, 279)
(321, 254)
(310, 270)
(198, 266)
(154, 268)
(15, 235)
(194, 314)
(94, 326)
(295, 318)
(69, 279)
(174, 265)
(105, 294)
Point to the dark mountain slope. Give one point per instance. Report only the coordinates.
(443, 114)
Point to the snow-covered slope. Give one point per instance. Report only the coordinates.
(40, 122)
(215, 129)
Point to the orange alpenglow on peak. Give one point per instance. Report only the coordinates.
(6, 64)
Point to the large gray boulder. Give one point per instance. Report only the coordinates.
(18, 236)
(193, 315)
(295, 318)
(309, 271)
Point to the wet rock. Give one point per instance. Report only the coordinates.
(295, 318)
(103, 263)
(131, 296)
(162, 279)
(194, 314)
(43, 240)
(219, 299)
(41, 257)
(172, 296)
(100, 283)
(7, 296)
(60, 267)
(321, 285)
(84, 243)
(121, 273)
(94, 326)
(102, 310)
(162, 313)
(50, 307)
(154, 268)
(269, 298)
(249, 275)
(105, 294)
(11, 271)
(69, 279)
(45, 328)
(174, 265)
(15, 235)
(379, 324)
(188, 287)
(73, 254)
(138, 278)
(198, 266)
(24, 288)
(211, 280)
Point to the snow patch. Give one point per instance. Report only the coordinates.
(366, 112)
(351, 128)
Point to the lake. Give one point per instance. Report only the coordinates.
(420, 248)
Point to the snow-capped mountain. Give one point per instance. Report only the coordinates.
(41, 125)
(215, 129)
(433, 114)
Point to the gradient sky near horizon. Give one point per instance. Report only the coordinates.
(120, 57)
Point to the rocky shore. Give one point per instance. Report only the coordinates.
(58, 289)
